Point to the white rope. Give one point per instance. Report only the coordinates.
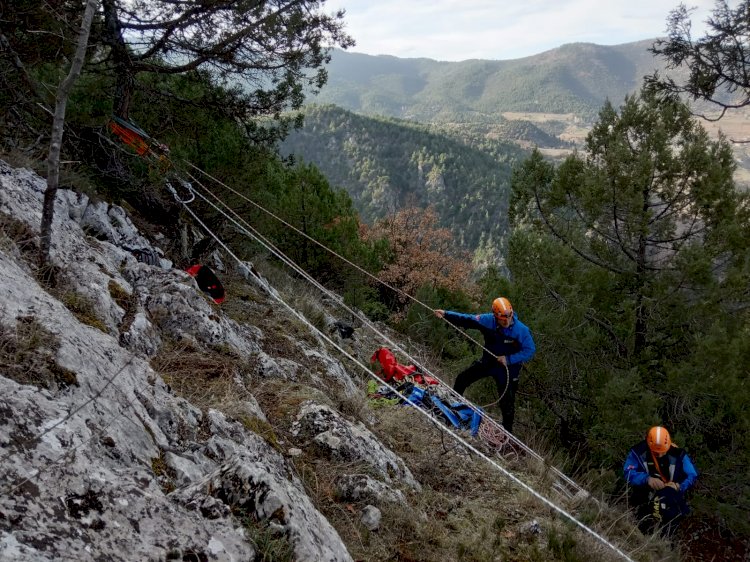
(246, 228)
(422, 411)
(336, 254)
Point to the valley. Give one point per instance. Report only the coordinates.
(735, 126)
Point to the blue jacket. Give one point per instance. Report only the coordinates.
(675, 465)
(515, 341)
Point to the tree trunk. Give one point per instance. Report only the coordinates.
(184, 245)
(123, 64)
(58, 124)
(639, 343)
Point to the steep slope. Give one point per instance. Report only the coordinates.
(386, 165)
(142, 422)
(89, 459)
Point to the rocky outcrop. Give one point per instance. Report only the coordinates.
(361, 487)
(110, 223)
(340, 439)
(113, 465)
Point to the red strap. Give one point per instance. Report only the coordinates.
(131, 138)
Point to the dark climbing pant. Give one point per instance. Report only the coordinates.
(478, 371)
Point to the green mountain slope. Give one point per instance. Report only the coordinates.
(387, 164)
(574, 78)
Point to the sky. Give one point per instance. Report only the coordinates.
(455, 30)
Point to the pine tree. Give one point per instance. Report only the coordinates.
(716, 63)
(633, 260)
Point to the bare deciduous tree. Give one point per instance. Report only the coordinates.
(58, 124)
(423, 254)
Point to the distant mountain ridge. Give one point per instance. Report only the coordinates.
(574, 78)
(395, 132)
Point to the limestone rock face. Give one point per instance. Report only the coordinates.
(112, 465)
(78, 473)
(255, 488)
(180, 311)
(110, 223)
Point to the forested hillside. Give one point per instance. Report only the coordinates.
(628, 260)
(575, 78)
(388, 164)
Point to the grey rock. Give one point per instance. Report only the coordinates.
(529, 528)
(361, 487)
(107, 222)
(141, 336)
(347, 441)
(335, 373)
(371, 517)
(83, 466)
(263, 491)
(185, 470)
(280, 368)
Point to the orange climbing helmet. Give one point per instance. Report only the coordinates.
(502, 306)
(658, 439)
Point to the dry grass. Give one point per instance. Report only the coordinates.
(127, 301)
(270, 544)
(244, 303)
(16, 233)
(208, 378)
(27, 355)
(165, 474)
(82, 308)
(119, 295)
(281, 400)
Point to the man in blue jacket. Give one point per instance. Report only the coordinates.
(660, 474)
(507, 346)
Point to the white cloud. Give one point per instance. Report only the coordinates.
(491, 29)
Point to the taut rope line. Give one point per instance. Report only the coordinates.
(252, 232)
(423, 412)
(365, 320)
(333, 252)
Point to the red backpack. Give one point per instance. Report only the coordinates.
(384, 363)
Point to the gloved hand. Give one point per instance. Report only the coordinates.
(655, 483)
